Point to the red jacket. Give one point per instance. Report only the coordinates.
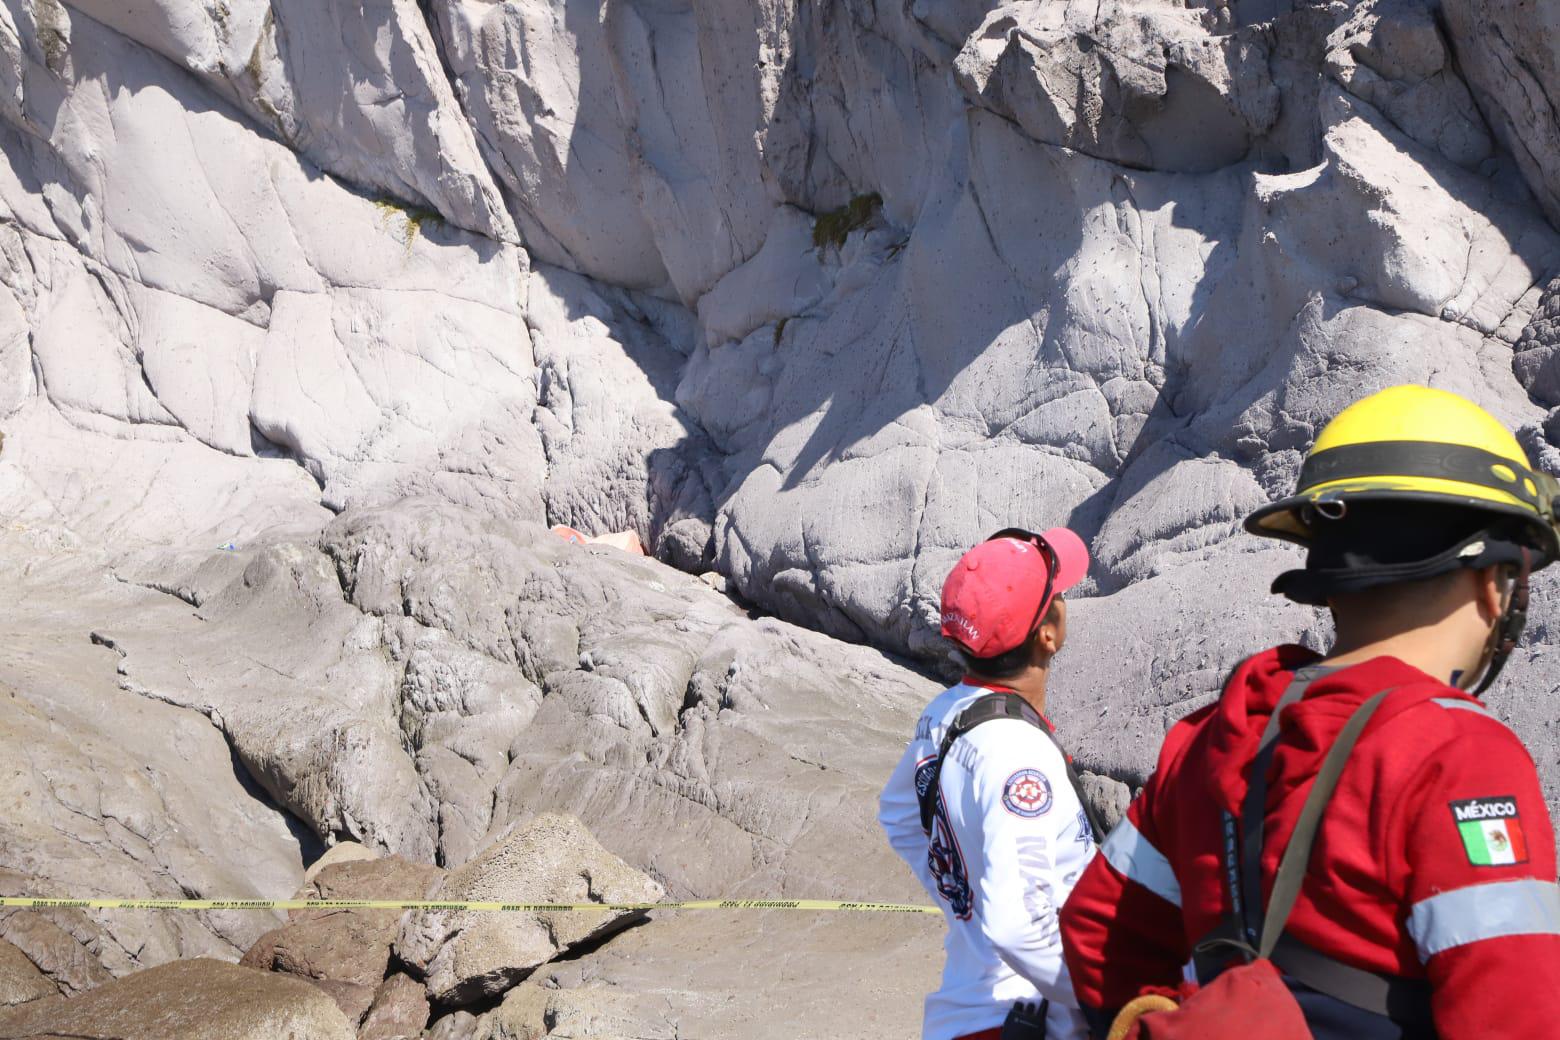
(1435, 859)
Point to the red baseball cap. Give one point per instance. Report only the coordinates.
(997, 592)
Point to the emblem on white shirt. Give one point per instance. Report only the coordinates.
(1027, 793)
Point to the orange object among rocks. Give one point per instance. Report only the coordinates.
(627, 541)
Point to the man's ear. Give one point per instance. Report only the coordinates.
(1491, 583)
(1049, 637)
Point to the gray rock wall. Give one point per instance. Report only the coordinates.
(314, 314)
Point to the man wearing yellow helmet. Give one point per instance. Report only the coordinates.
(1429, 907)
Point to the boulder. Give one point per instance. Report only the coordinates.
(1506, 49)
(188, 1000)
(341, 852)
(465, 956)
(20, 979)
(388, 878)
(1108, 797)
(345, 952)
(1145, 85)
(457, 1025)
(1392, 54)
(399, 1012)
(57, 954)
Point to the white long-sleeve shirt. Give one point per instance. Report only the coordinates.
(1009, 841)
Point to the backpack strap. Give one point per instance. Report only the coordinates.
(1247, 905)
(1297, 854)
(1402, 1000)
(990, 708)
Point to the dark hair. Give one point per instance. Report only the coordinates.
(1010, 662)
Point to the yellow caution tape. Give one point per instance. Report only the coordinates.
(26, 903)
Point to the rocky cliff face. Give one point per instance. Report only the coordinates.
(810, 295)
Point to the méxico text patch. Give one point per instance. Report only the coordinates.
(1491, 830)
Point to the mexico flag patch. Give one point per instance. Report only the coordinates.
(1491, 831)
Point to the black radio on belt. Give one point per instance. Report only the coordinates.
(1026, 1021)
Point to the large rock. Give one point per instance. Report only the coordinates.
(20, 979)
(1507, 50)
(189, 1000)
(466, 956)
(345, 952)
(399, 1012)
(762, 974)
(59, 946)
(1145, 85)
(282, 315)
(358, 88)
(340, 853)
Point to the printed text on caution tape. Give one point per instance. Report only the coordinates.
(28, 903)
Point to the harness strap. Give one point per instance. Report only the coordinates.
(990, 708)
(1404, 1001)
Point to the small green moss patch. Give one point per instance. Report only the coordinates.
(405, 221)
(833, 227)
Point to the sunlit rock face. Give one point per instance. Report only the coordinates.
(314, 315)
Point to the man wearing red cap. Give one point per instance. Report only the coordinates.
(983, 804)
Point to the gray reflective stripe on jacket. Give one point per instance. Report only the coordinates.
(1134, 857)
(1456, 705)
(1479, 912)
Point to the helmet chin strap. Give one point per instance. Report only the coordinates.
(1508, 630)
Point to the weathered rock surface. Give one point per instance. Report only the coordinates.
(356, 88)
(1144, 85)
(187, 1000)
(510, 675)
(458, 1025)
(173, 299)
(719, 974)
(399, 1012)
(342, 852)
(621, 455)
(105, 792)
(465, 956)
(1392, 55)
(1507, 51)
(466, 672)
(807, 297)
(20, 979)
